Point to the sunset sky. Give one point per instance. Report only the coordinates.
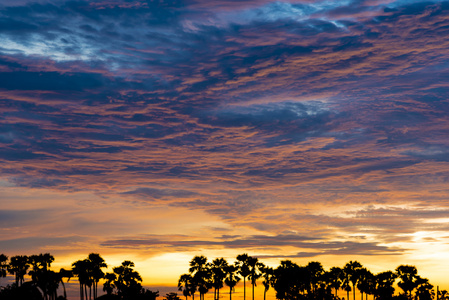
(155, 131)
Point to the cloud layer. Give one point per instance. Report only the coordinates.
(323, 119)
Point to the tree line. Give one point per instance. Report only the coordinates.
(123, 283)
(289, 280)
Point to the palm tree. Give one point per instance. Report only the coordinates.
(267, 275)
(80, 268)
(47, 281)
(201, 274)
(18, 266)
(244, 270)
(384, 285)
(187, 286)
(351, 270)
(63, 273)
(424, 290)
(3, 265)
(231, 279)
(346, 284)
(217, 267)
(316, 271)
(408, 275)
(96, 264)
(336, 277)
(253, 263)
(109, 285)
(128, 281)
(442, 295)
(366, 282)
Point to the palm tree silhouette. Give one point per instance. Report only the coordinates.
(187, 286)
(244, 270)
(255, 273)
(41, 276)
(442, 294)
(201, 274)
(336, 277)
(80, 268)
(351, 269)
(109, 285)
(316, 271)
(346, 284)
(231, 279)
(18, 266)
(408, 276)
(366, 282)
(63, 273)
(267, 275)
(3, 265)
(96, 264)
(384, 285)
(217, 268)
(128, 281)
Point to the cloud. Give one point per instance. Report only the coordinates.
(161, 193)
(256, 242)
(268, 116)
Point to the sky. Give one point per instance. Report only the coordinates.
(155, 131)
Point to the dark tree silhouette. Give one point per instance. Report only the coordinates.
(254, 272)
(424, 290)
(187, 285)
(96, 263)
(18, 266)
(335, 278)
(128, 281)
(231, 278)
(109, 285)
(290, 281)
(442, 294)
(80, 268)
(366, 282)
(3, 265)
(352, 271)
(63, 273)
(346, 284)
(201, 274)
(47, 281)
(316, 272)
(244, 270)
(408, 275)
(217, 268)
(384, 289)
(268, 278)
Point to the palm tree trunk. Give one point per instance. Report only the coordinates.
(218, 294)
(85, 291)
(353, 291)
(244, 288)
(348, 294)
(81, 292)
(253, 289)
(361, 298)
(63, 285)
(230, 293)
(264, 294)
